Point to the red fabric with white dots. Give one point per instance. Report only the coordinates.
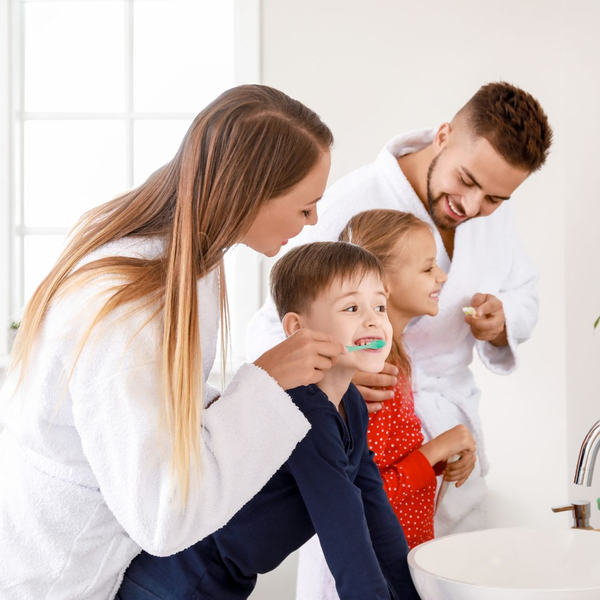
(394, 435)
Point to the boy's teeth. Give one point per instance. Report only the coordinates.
(366, 341)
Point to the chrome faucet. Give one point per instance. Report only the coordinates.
(581, 514)
(584, 470)
(583, 475)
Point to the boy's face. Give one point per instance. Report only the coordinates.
(353, 312)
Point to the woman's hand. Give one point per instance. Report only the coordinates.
(370, 386)
(301, 359)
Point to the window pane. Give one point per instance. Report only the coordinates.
(71, 166)
(74, 56)
(41, 252)
(183, 54)
(156, 143)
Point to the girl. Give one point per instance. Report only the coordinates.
(113, 440)
(406, 247)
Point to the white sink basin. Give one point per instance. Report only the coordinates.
(509, 564)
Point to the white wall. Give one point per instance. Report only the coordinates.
(582, 241)
(374, 69)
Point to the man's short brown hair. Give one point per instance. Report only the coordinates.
(307, 271)
(512, 121)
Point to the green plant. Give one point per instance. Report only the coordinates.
(15, 324)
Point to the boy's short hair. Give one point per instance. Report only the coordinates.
(306, 271)
(512, 121)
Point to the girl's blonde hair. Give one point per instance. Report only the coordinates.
(253, 143)
(380, 231)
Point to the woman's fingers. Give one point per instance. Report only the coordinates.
(329, 350)
(301, 359)
(326, 344)
(322, 363)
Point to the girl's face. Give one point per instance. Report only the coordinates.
(283, 218)
(415, 281)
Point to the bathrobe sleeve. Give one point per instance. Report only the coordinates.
(519, 297)
(117, 399)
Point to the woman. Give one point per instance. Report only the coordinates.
(113, 440)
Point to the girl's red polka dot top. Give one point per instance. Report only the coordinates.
(395, 436)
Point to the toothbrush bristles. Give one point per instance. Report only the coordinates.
(374, 345)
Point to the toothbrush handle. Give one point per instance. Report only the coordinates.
(444, 484)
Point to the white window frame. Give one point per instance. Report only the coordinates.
(6, 218)
(247, 69)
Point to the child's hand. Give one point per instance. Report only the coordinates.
(460, 470)
(457, 440)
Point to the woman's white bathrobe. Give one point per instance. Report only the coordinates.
(85, 468)
(488, 258)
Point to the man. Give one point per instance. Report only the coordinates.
(459, 179)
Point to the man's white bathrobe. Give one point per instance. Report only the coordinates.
(85, 467)
(488, 258)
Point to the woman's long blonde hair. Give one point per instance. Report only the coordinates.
(250, 145)
(380, 232)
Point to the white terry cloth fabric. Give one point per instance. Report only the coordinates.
(315, 581)
(488, 258)
(86, 468)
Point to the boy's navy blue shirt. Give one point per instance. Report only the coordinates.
(329, 485)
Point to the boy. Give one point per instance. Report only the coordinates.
(330, 484)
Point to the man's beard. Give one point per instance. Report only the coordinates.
(445, 223)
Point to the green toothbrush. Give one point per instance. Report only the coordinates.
(375, 345)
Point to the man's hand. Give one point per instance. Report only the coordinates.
(370, 386)
(490, 323)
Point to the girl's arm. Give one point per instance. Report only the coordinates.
(403, 468)
(403, 478)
